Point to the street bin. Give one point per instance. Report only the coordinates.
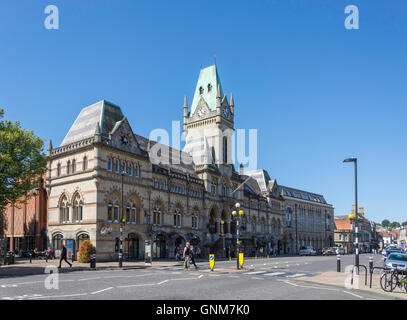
(93, 261)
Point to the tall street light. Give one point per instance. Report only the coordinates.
(355, 217)
(121, 223)
(237, 215)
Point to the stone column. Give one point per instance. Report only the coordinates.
(217, 225)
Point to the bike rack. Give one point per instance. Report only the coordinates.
(371, 273)
(361, 265)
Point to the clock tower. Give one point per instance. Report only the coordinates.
(209, 122)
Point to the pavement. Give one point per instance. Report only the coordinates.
(277, 278)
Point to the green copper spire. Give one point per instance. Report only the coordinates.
(207, 87)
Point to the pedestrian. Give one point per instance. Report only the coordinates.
(176, 253)
(63, 257)
(192, 256)
(185, 256)
(198, 252)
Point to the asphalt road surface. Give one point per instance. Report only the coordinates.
(266, 279)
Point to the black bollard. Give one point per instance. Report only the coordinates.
(338, 263)
(371, 269)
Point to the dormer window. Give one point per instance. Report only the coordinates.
(201, 90)
(209, 87)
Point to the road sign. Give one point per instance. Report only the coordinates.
(211, 261)
(241, 258)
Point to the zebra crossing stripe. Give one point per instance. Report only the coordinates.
(255, 272)
(295, 275)
(274, 274)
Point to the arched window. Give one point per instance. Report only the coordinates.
(73, 166)
(157, 216)
(201, 90)
(177, 218)
(209, 87)
(58, 169)
(85, 164)
(77, 208)
(109, 164)
(130, 167)
(82, 237)
(136, 171)
(123, 166)
(57, 242)
(113, 208)
(68, 167)
(64, 210)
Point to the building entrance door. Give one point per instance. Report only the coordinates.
(133, 246)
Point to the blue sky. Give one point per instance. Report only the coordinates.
(316, 92)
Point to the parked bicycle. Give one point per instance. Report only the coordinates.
(392, 279)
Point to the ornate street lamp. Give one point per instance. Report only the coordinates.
(237, 214)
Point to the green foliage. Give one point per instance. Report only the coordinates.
(22, 162)
(385, 223)
(404, 223)
(395, 225)
(85, 250)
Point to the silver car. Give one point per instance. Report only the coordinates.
(396, 261)
(307, 251)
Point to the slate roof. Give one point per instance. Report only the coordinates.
(102, 113)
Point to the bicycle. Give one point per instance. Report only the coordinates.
(392, 278)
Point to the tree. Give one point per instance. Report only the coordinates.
(395, 225)
(404, 223)
(385, 223)
(22, 163)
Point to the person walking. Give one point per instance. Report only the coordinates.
(176, 253)
(63, 257)
(186, 256)
(192, 256)
(198, 252)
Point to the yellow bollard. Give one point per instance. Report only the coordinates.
(230, 258)
(268, 256)
(255, 257)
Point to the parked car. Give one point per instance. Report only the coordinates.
(396, 260)
(387, 252)
(307, 251)
(328, 251)
(339, 250)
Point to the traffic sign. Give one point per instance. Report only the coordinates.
(211, 261)
(241, 259)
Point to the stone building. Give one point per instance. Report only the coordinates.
(26, 222)
(103, 171)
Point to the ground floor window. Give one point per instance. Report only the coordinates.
(82, 237)
(57, 242)
(159, 250)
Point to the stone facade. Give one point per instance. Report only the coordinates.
(103, 171)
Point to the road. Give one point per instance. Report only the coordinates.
(266, 279)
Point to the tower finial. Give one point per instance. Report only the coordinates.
(185, 102)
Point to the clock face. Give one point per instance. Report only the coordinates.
(225, 112)
(201, 112)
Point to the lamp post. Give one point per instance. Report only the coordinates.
(121, 224)
(237, 215)
(355, 217)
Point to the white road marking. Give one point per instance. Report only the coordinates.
(295, 275)
(234, 276)
(254, 272)
(274, 274)
(86, 279)
(63, 296)
(255, 278)
(137, 285)
(353, 294)
(96, 292)
(163, 282)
